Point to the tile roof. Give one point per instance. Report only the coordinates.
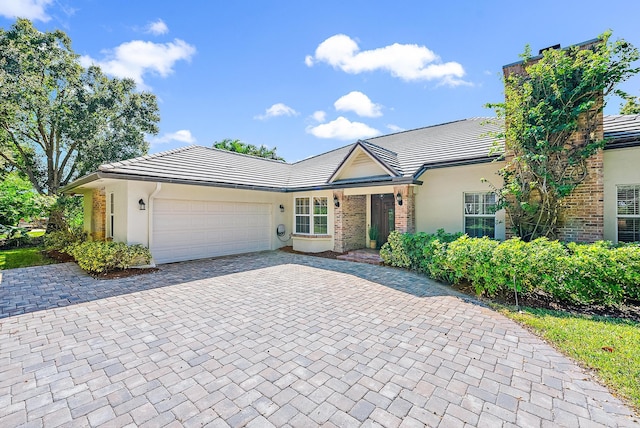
(404, 152)
(622, 129)
(205, 165)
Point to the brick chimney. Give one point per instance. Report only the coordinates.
(582, 218)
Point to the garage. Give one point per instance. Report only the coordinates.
(191, 229)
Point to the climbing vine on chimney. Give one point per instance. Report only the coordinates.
(553, 125)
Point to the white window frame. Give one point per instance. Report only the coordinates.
(636, 189)
(110, 214)
(469, 211)
(311, 215)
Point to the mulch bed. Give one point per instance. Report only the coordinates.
(629, 311)
(60, 257)
(120, 273)
(123, 273)
(325, 254)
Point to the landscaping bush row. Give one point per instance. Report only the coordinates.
(97, 256)
(598, 273)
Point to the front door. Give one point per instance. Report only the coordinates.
(383, 215)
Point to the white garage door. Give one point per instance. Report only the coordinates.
(189, 230)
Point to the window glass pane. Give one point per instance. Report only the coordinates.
(477, 227)
(302, 205)
(302, 224)
(320, 206)
(320, 225)
(479, 212)
(628, 200)
(471, 205)
(629, 229)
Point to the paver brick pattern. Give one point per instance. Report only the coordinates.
(276, 339)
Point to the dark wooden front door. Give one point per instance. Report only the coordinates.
(383, 215)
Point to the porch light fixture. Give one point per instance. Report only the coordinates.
(336, 201)
(281, 208)
(399, 198)
(142, 205)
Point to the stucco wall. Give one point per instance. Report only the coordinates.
(621, 166)
(439, 201)
(132, 224)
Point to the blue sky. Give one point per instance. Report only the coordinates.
(308, 77)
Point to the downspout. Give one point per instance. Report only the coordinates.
(150, 218)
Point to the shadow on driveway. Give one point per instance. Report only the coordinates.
(38, 288)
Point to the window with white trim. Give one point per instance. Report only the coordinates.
(111, 215)
(311, 215)
(628, 213)
(480, 214)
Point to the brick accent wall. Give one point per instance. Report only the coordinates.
(98, 214)
(350, 222)
(405, 213)
(582, 217)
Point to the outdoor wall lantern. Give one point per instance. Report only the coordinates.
(399, 198)
(281, 208)
(336, 201)
(142, 205)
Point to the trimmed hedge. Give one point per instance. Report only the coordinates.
(96, 256)
(102, 257)
(598, 273)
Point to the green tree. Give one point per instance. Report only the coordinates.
(559, 95)
(247, 149)
(59, 120)
(18, 200)
(632, 105)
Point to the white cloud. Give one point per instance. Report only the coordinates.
(182, 136)
(30, 9)
(308, 60)
(406, 61)
(137, 58)
(319, 116)
(359, 103)
(276, 110)
(343, 129)
(395, 128)
(157, 28)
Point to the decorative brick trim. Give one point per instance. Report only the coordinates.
(350, 222)
(98, 214)
(405, 221)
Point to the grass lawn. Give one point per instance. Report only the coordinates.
(611, 346)
(23, 257)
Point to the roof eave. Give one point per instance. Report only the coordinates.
(452, 163)
(329, 186)
(120, 176)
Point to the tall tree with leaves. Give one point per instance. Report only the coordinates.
(551, 113)
(631, 106)
(247, 149)
(59, 120)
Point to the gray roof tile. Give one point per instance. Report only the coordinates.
(404, 152)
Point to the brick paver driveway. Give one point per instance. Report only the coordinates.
(276, 339)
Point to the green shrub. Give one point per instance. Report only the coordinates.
(394, 252)
(470, 259)
(582, 274)
(536, 266)
(628, 258)
(60, 240)
(593, 275)
(102, 257)
(409, 250)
